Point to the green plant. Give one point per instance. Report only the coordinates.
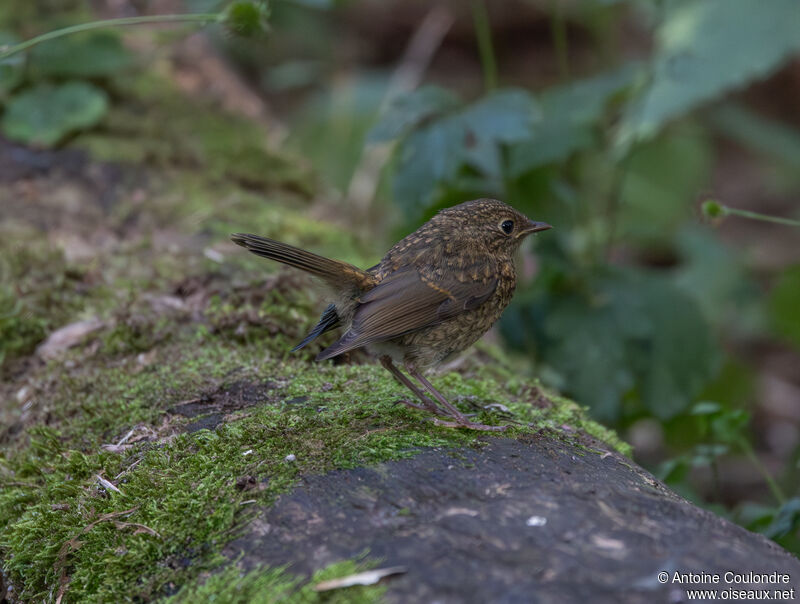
(52, 85)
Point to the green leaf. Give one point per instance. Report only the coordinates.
(89, 55)
(43, 115)
(785, 305)
(681, 356)
(449, 150)
(620, 334)
(425, 160)
(730, 426)
(658, 200)
(704, 455)
(499, 118)
(705, 48)
(706, 408)
(586, 348)
(786, 520)
(674, 470)
(570, 120)
(714, 274)
(410, 110)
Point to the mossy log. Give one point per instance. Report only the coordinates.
(159, 443)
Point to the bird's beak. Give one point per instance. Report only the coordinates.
(535, 227)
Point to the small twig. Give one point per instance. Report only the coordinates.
(127, 436)
(7, 51)
(408, 75)
(190, 401)
(140, 528)
(129, 468)
(107, 484)
(73, 544)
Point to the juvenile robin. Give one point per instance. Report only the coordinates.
(434, 294)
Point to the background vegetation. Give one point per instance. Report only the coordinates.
(612, 120)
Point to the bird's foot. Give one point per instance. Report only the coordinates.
(431, 407)
(470, 426)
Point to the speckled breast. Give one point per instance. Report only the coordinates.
(433, 345)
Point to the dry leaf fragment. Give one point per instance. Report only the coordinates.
(67, 337)
(369, 577)
(107, 484)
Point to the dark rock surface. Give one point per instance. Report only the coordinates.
(529, 520)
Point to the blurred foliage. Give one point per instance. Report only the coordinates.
(331, 129)
(599, 158)
(614, 334)
(44, 114)
(46, 95)
(704, 48)
(444, 143)
(94, 55)
(785, 306)
(45, 92)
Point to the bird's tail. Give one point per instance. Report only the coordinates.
(334, 272)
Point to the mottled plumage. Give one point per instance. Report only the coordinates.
(432, 295)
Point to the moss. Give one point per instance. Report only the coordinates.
(268, 585)
(157, 125)
(39, 291)
(187, 488)
(183, 488)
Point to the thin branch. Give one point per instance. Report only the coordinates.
(7, 51)
(423, 45)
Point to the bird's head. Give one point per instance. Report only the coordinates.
(490, 222)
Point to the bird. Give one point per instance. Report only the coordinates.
(432, 295)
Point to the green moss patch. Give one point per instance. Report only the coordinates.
(181, 496)
(268, 585)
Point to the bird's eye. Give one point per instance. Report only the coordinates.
(507, 226)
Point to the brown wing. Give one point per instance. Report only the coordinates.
(406, 301)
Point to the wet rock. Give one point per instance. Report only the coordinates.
(528, 520)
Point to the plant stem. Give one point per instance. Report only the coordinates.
(483, 33)
(758, 216)
(777, 493)
(74, 29)
(559, 31)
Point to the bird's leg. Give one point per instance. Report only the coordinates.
(427, 404)
(461, 419)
